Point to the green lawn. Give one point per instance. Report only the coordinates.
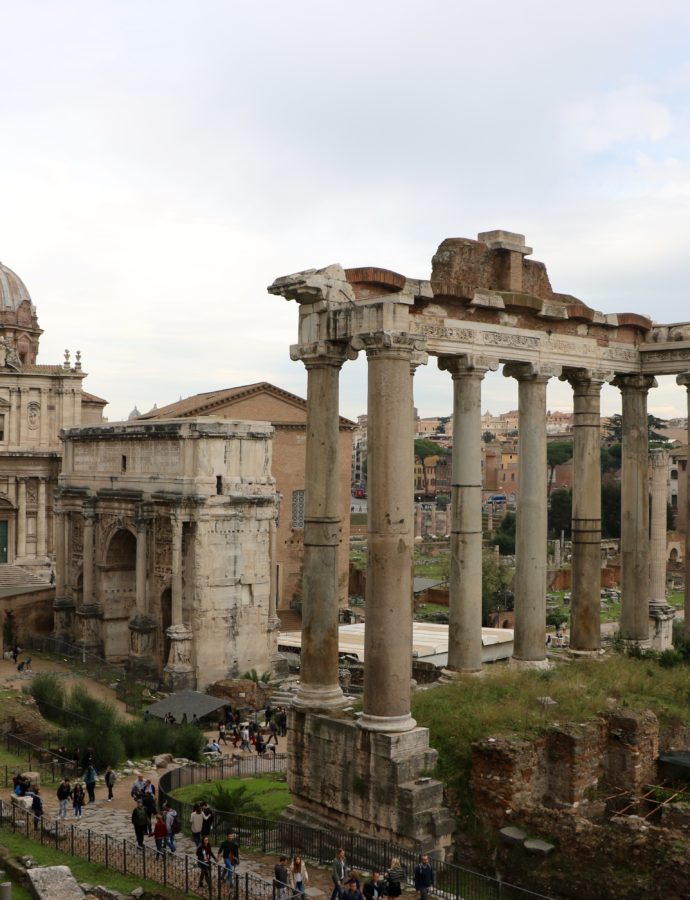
(82, 870)
(504, 702)
(269, 792)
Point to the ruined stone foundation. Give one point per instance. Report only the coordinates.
(375, 783)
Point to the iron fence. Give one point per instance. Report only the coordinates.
(180, 872)
(320, 845)
(51, 767)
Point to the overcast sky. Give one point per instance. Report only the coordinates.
(162, 162)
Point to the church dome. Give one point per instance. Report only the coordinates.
(13, 291)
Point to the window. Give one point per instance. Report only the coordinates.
(298, 509)
(2, 426)
(219, 484)
(124, 463)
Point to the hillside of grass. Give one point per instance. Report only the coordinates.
(504, 702)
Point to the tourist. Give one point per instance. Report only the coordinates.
(64, 792)
(260, 744)
(222, 732)
(16, 650)
(195, 720)
(230, 851)
(90, 776)
(394, 878)
(196, 821)
(353, 892)
(338, 871)
(140, 821)
(149, 800)
(207, 814)
(281, 719)
(37, 808)
(244, 737)
(138, 786)
(373, 889)
(298, 876)
(423, 877)
(281, 879)
(204, 855)
(110, 782)
(172, 822)
(268, 713)
(78, 799)
(160, 834)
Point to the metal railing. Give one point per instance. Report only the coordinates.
(320, 845)
(180, 872)
(50, 766)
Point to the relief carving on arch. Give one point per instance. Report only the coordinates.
(77, 542)
(163, 546)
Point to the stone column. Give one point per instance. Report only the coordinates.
(531, 526)
(319, 687)
(388, 630)
(635, 506)
(15, 415)
(43, 420)
(273, 585)
(41, 521)
(176, 573)
(657, 560)
(89, 519)
(684, 380)
(141, 561)
(585, 632)
(21, 517)
(465, 629)
(418, 521)
(63, 606)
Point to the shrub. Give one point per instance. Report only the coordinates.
(49, 693)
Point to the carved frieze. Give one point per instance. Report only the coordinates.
(163, 545)
(33, 415)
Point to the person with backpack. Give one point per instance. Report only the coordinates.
(64, 792)
(207, 815)
(423, 877)
(140, 821)
(204, 855)
(37, 808)
(173, 824)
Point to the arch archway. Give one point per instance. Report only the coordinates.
(118, 592)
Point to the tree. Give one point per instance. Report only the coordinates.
(614, 429)
(505, 535)
(424, 448)
(611, 458)
(561, 512)
(496, 580)
(488, 436)
(557, 453)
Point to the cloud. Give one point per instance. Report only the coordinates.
(629, 115)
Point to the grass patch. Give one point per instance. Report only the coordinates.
(267, 796)
(505, 703)
(82, 870)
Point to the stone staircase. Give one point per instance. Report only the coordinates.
(16, 576)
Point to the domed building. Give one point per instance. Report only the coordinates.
(36, 402)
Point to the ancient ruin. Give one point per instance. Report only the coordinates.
(485, 305)
(164, 543)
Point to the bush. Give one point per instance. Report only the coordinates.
(49, 693)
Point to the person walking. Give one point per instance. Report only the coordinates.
(78, 799)
(281, 879)
(37, 808)
(338, 872)
(423, 877)
(110, 782)
(64, 792)
(160, 834)
(140, 821)
(230, 851)
(373, 889)
(172, 822)
(298, 877)
(204, 855)
(208, 817)
(90, 776)
(196, 822)
(394, 878)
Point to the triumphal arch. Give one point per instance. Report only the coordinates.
(485, 305)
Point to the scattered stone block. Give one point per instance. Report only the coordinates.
(163, 760)
(54, 883)
(511, 834)
(536, 845)
(33, 778)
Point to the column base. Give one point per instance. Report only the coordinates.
(390, 724)
(316, 697)
(450, 675)
(530, 663)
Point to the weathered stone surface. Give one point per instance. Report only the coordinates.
(54, 883)
(535, 845)
(163, 760)
(512, 835)
(34, 779)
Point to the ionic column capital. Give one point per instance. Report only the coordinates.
(534, 372)
(634, 384)
(392, 344)
(683, 379)
(322, 353)
(467, 365)
(658, 458)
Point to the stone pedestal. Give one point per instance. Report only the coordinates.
(179, 672)
(368, 781)
(63, 618)
(142, 637)
(90, 628)
(661, 617)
